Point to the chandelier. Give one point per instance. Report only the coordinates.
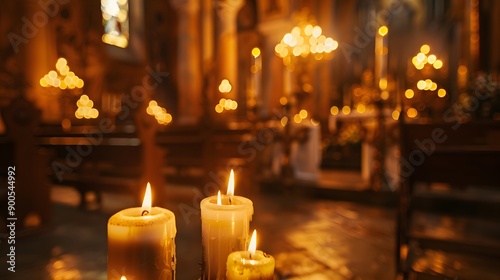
(303, 41)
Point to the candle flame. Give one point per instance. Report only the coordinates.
(123, 278)
(146, 203)
(230, 184)
(252, 247)
(219, 199)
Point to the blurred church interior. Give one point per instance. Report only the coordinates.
(385, 110)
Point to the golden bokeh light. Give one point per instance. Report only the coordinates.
(63, 78)
(161, 115)
(334, 110)
(346, 110)
(225, 86)
(412, 113)
(383, 30)
(409, 93)
(361, 108)
(256, 52)
(85, 108)
(441, 92)
(425, 49)
(395, 115)
(303, 113)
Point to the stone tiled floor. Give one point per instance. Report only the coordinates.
(310, 238)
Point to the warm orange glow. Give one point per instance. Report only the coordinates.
(230, 184)
(219, 198)
(303, 114)
(384, 95)
(412, 113)
(361, 108)
(382, 84)
(146, 203)
(441, 92)
(395, 115)
(297, 118)
(252, 247)
(409, 93)
(334, 110)
(123, 278)
(283, 100)
(346, 110)
(284, 121)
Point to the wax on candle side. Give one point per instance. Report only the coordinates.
(241, 266)
(224, 230)
(142, 247)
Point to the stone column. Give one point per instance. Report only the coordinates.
(189, 61)
(207, 18)
(39, 51)
(227, 43)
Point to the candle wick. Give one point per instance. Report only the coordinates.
(144, 212)
(230, 201)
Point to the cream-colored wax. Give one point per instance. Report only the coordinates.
(224, 230)
(141, 247)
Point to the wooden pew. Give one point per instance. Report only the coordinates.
(196, 154)
(29, 189)
(466, 157)
(105, 158)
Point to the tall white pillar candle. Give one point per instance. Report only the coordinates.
(225, 227)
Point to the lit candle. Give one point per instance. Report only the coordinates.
(250, 265)
(141, 242)
(381, 52)
(257, 72)
(225, 222)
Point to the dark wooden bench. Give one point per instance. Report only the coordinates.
(466, 158)
(110, 162)
(29, 189)
(193, 154)
(104, 159)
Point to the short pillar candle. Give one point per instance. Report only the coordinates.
(141, 243)
(250, 265)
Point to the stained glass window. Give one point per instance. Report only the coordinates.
(115, 19)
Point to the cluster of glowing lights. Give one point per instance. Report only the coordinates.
(226, 104)
(426, 85)
(62, 77)
(116, 22)
(297, 118)
(161, 115)
(305, 41)
(346, 110)
(225, 86)
(85, 108)
(424, 57)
